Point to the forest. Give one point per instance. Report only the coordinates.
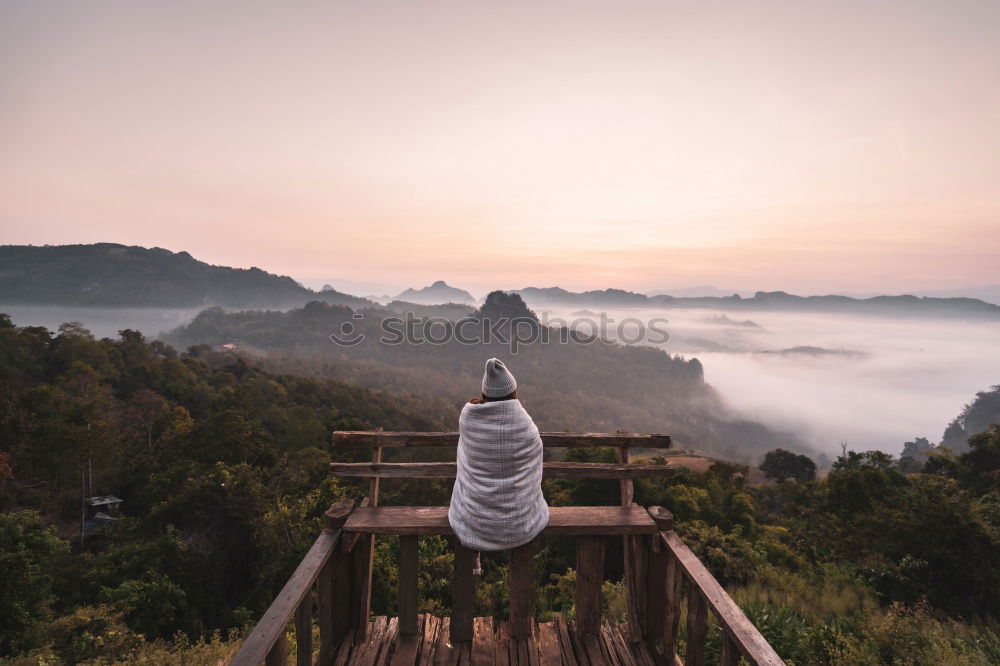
(220, 463)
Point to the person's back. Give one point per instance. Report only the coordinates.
(497, 502)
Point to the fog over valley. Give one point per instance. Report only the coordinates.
(874, 382)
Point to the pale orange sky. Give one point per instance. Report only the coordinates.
(851, 146)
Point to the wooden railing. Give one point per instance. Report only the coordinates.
(267, 640)
(670, 563)
(657, 562)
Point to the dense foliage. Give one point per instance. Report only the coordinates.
(222, 468)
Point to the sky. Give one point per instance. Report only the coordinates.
(805, 146)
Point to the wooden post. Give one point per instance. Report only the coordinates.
(361, 585)
(664, 586)
(657, 594)
(521, 586)
(672, 610)
(697, 628)
(327, 625)
(334, 579)
(364, 557)
(730, 653)
(278, 656)
(407, 599)
(462, 594)
(589, 578)
(630, 555)
(304, 631)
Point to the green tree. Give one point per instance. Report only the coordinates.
(780, 465)
(29, 553)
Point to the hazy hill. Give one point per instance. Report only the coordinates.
(109, 274)
(435, 294)
(897, 306)
(697, 291)
(579, 383)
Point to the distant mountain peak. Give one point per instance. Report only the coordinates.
(438, 293)
(505, 305)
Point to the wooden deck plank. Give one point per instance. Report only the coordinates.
(503, 644)
(388, 643)
(432, 625)
(484, 651)
(592, 647)
(548, 644)
(408, 646)
(554, 643)
(565, 646)
(445, 654)
(344, 649)
(578, 648)
(563, 520)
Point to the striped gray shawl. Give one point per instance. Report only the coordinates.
(497, 502)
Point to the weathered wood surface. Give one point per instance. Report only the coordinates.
(483, 642)
(278, 655)
(271, 627)
(304, 631)
(697, 629)
(521, 586)
(550, 470)
(327, 633)
(589, 579)
(462, 594)
(563, 520)
(375, 438)
(363, 557)
(407, 593)
(554, 643)
(734, 622)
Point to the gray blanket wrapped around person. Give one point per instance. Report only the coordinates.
(497, 501)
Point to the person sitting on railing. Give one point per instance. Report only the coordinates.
(497, 501)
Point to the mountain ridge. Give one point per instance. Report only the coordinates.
(116, 275)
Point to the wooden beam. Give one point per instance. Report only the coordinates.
(656, 604)
(550, 470)
(375, 438)
(521, 588)
(331, 625)
(361, 585)
(304, 631)
(734, 622)
(630, 556)
(589, 579)
(407, 606)
(730, 653)
(697, 629)
(327, 630)
(462, 594)
(672, 607)
(563, 520)
(271, 628)
(278, 655)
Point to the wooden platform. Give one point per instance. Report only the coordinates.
(554, 643)
(563, 520)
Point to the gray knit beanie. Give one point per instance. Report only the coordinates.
(497, 380)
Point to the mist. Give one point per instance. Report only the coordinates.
(102, 322)
(871, 382)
